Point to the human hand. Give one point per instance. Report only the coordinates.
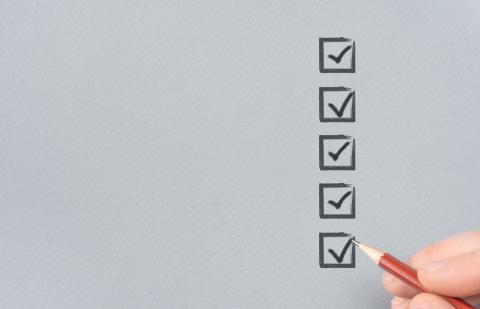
(450, 267)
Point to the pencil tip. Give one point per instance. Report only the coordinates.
(352, 239)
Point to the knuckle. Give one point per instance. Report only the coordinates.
(427, 254)
(473, 257)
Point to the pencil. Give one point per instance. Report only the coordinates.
(405, 273)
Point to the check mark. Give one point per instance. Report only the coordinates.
(338, 204)
(339, 112)
(338, 58)
(336, 155)
(339, 258)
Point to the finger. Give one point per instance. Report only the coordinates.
(404, 292)
(397, 287)
(447, 248)
(458, 276)
(444, 249)
(429, 301)
(400, 303)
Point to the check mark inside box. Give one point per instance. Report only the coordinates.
(337, 201)
(337, 55)
(336, 250)
(337, 152)
(337, 104)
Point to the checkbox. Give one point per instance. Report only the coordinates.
(337, 104)
(337, 55)
(337, 201)
(337, 152)
(336, 250)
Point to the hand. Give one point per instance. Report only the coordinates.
(449, 267)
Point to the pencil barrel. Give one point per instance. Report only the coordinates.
(409, 275)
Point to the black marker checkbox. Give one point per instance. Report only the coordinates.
(337, 104)
(337, 201)
(336, 250)
(337, 55)
(337, 152)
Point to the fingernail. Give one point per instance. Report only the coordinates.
(421, 305)
(398, 301)
(434, 267)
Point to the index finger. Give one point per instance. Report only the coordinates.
(447, 248)
(444, 249)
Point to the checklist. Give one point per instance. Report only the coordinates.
(336, 250)
(337, 55)
(337, 201)
(337, 152)
(337, 104)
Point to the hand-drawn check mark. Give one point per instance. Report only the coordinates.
(339, 112)
(338, 58)
(336, 155)
(339, 258)
(338, 204)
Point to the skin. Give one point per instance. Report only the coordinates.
(449, 267)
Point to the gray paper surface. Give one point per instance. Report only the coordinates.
(163, 154)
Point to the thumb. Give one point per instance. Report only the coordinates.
(429, 301)
(458, 276)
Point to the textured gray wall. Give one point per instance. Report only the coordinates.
(165, 155)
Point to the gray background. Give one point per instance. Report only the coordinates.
(165, 155)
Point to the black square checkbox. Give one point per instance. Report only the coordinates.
(337, 104)
(337, 201)
(336, 250)
(337, 55)
(337, 152)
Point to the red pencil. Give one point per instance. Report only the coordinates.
(405, 273)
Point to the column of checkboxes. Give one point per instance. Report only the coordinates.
(337, 152)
